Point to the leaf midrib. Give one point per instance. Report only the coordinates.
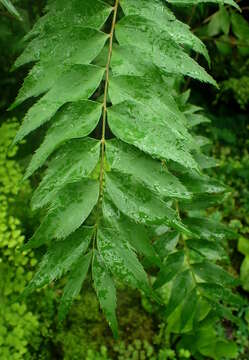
(104, 117)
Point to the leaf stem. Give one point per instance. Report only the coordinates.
(115, 11)
(104, 117)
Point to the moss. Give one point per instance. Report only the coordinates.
(20, 328)
(134, 321)
(136, 350)
(84, 329)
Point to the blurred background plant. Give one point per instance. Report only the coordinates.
(21, 325)
(28, 327)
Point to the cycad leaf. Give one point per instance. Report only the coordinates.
(77, 83)
(74, 161)
(83, 117)
(73, 204)
(75, 280)
(60, 258)
(106, 292)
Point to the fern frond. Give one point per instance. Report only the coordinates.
(106, 198)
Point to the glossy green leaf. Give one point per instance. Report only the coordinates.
(72, 205)
(45, 74)
(120, 258)
(74, 161)
(78, 82)
(128, 160)
(62, 14)
(51, 48)
(155, 10)
(135, 124)
(190, 109)
(202, 141)
(228, 349)
(39, 80)
(106, 291)
(201, 202)
(203, 310)
(139, 203)
(74, 283)
(208, 249)
(156, 45)
(135, 234)
(83, 117)
(198, 184)
(60, 258)
(208, 229)
(151, 91)
(207, 342)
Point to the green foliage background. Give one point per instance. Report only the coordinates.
(29, 328)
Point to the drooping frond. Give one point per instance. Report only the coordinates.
(96, 65)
